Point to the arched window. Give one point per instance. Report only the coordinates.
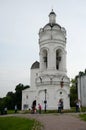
(58, 58)
(45, 58)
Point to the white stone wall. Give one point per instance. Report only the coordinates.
(51, 46)
(54, 93)
(52, 84)
(28, 96)
(33, 75)
(82, 89)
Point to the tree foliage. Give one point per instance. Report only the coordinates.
(73, 92)
(13, 98)
(18, 95)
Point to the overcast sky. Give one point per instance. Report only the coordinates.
(20, 21)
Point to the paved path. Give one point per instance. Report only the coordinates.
(58, 122)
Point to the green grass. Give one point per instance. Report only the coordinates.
(83, 116)
(11, 112)
(18, 123)
(72, 110)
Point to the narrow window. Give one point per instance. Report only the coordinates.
(58, 59)
(45, 58)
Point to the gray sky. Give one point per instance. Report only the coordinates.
(20, 21)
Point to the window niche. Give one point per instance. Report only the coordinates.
(45, 58)
(58, 59)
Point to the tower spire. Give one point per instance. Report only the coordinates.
(52, 17)
(52, 10)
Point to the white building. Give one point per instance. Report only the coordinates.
(48, 79)
(81, 84)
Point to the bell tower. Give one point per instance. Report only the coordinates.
(48, 79)
(52, 74)
(52, 44)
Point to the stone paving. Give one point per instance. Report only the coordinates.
(58, 121)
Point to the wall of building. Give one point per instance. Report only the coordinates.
(33, 75)
(82, 89)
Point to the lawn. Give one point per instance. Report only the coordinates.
(18, 123)
(83, 117)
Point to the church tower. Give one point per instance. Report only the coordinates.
(48, 80)
(52, 75)
(52, 44)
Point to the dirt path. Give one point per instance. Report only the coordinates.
(59, 122)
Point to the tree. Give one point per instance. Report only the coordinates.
(73, 92)
(18, 94)
(10, 100)
(13, 99)
(1, 105)
(27, 86)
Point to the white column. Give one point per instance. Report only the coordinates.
(51, 59)
(79, 93)
(63, 62)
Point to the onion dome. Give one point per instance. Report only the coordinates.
(35, 65)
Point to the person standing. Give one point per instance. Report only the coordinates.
(34, 107)
(77, 105)
(15, 108)
(5, 110)
(59, 106)
(40, 108)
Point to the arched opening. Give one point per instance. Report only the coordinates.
(58, 58)
(45, 58)
(61, 94)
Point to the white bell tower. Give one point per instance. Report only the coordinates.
(49, 76)
(53, 72)
(48, 80)
(52, 43)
